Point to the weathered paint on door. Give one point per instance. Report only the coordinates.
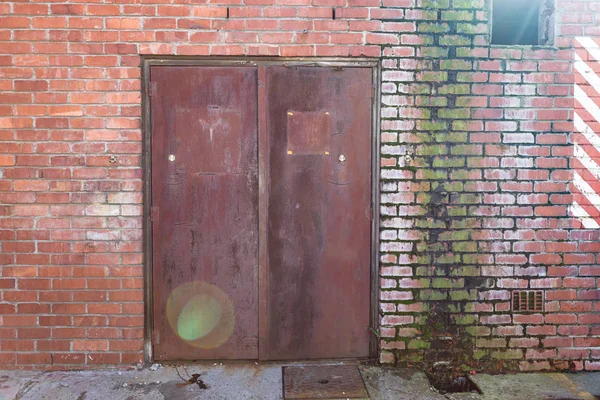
(319, 227)
(205, 227)
(314, 125)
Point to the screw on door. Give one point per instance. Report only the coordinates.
(342, 158)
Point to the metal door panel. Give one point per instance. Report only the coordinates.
(319, 192)
(205, 215)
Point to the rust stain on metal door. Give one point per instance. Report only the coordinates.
(318, 236)
(205, 187)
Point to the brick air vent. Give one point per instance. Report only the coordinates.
(528, 301)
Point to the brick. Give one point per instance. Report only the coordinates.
(103, 10)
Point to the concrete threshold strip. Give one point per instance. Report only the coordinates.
(264, 381)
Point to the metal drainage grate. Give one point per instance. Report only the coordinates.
(444, 382)
(528, 300)
(323, 382)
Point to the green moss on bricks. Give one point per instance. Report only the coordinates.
(425, 40)
(426, 332)
(428, 15)
(476, 4)
(432, 247)
(511, 354)
(452, 186)
(453, 308)
(455, 89)
(465, 368)
(432, 101)
(458, 235)
(413, 357)
(431, 323)
(423, 259)
(438, 271)
(455, 40)
(462, 295)
(424, 271)
(435, 3)
(432, 175)
(454, 113)
(479, 354)
(434, 52)
(461, 174)
(453, 137)
(421, 137)
(472, 29)
(432, 76)
(424, 283)
(423, 198)
(477, 331)
(465, 247)
(466, 223)
(448, 162)
(460, 125)
(447, 283)
(466, 270)
(432, 125)
(466, 149)
(430, 223)
(433, 27)
(469, 319)
(457, 15)
(456, 65)
(418, 89)
(467, 198)
(418, 344)
(457, 211)
(425, 113)
(432, 295)
(430, 150)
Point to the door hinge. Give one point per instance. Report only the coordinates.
(153, 214)
(152, 89)
(156, 338)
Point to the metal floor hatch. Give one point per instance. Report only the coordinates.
(323, 382)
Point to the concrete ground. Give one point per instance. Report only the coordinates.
(250, 381)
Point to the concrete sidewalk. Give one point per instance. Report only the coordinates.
(246, 381)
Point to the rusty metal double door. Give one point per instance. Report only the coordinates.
(261, 212)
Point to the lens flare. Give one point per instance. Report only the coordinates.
(201, 314)
(198, 317)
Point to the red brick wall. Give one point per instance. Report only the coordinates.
(475, 166)
(476, 171)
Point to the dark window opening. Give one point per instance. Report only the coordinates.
(523, 22)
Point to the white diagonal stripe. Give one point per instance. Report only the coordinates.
(586, 190)
(587, 221)
(587, 72)
(586, 160)
(591, 46)
(585, 129)
(587, 103)
(591, 78)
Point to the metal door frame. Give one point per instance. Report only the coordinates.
(258, 62)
